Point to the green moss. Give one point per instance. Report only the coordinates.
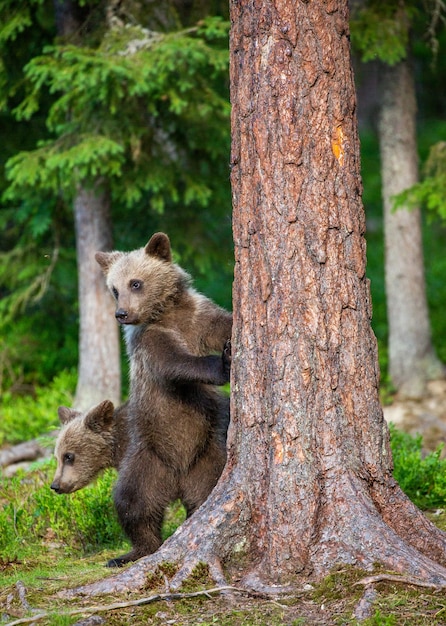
(156, 579)
(199, 578)
(335, 585)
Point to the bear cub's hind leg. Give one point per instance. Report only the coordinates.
(144, 489)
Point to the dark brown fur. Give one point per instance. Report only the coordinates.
(89, 443)
(178, 416)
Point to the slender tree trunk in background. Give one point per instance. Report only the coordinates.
(308, 483)
(99, 371)
(412, 360)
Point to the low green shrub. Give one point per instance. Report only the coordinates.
(26, 417)
(421, 477)
(32, 516)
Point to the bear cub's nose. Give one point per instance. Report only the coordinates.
(121, 314)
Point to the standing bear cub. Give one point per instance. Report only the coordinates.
(178, 344)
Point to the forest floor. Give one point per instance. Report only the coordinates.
(338, 600)
(334, 601)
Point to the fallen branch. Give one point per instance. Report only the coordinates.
(27, 451)
(124, 605)
(405, 580)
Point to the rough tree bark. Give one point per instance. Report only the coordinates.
(308, 482)
(412, 359)
(99, 370)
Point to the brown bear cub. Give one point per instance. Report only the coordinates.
(88, 443)
(178, 417)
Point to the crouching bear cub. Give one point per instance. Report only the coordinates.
(178, 417)
(88, 443)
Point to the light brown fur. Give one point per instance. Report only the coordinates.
(88, 443)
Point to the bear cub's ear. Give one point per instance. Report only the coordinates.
(100, 417)
(106, 259)
(159, 246)
(66, 414)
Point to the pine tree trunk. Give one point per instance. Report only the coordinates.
(412, 360)
(99, 371)
(308, 482)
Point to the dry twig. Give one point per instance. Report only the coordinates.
(405, 580)
(123, 605)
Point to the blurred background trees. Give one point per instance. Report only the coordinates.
(388, 33)
(126, 105)
(132, 96)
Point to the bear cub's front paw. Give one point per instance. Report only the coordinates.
(226, 358)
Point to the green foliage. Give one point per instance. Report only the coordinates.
(28, 284)
(384, 30)
(380, 30)
(422, 478)
(46, 169)
(136, 111)
(431, 191)
(17, 21)
(37, 346)
(32, 516)
(29, 416)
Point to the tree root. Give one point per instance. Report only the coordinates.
(221, 532)
(364, 608)
(408, 521)
(135, 577)
(193, 544)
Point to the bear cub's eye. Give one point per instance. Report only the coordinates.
(136, 285)
(115, 292)
(68, 458)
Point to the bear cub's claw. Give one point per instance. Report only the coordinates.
(226, 358)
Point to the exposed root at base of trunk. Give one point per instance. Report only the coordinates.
(408, 521)
(353, 529)
(364, 608)
(134, 578)
(200, 540)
